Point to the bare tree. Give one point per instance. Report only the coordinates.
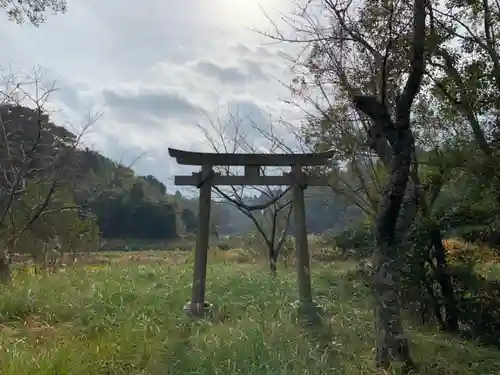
(271, 218)
(33, 10)
(38, 164)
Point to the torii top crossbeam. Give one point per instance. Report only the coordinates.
(273, 160)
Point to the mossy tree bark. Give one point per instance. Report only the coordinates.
(392, 342)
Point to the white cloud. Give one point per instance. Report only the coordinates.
(155, 69)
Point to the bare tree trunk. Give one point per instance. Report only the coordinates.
(5, 271)
(391, 342)
(391, 338)
(272, 251)
(444, 280)
(39, 257)
(441, 275)
(273, 265)
(435, 305)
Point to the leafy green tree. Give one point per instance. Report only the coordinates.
(453, 179)
(371, 60)
(189, 220)
(120, 217)
(136, 193)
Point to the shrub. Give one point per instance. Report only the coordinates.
(223, 246)
(459, 251)
(327, 254)
(478, 303)
(356, 242)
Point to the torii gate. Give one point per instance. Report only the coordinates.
(207, 178)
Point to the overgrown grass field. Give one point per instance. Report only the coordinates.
(126, 318)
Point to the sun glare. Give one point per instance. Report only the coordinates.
(243, 13)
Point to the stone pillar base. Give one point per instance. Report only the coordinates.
(308, 314)
(197, 309)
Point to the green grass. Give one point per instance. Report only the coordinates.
(127, 319)
(490, 270)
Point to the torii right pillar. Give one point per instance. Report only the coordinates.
(308, 310)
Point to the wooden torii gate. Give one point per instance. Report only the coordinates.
(207, 178)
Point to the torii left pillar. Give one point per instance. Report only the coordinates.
(198, 306)
(309, 313)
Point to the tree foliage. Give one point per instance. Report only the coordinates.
(35, 11)
(407, 95)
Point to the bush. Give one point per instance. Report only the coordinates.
(459, 251)
(478, 303)
(356, 242)
(327, 254)
(417, 280)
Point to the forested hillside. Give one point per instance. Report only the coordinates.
(325, 211)
(126, 205)
(46, 160)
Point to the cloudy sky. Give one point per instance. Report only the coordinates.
(155, 69)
